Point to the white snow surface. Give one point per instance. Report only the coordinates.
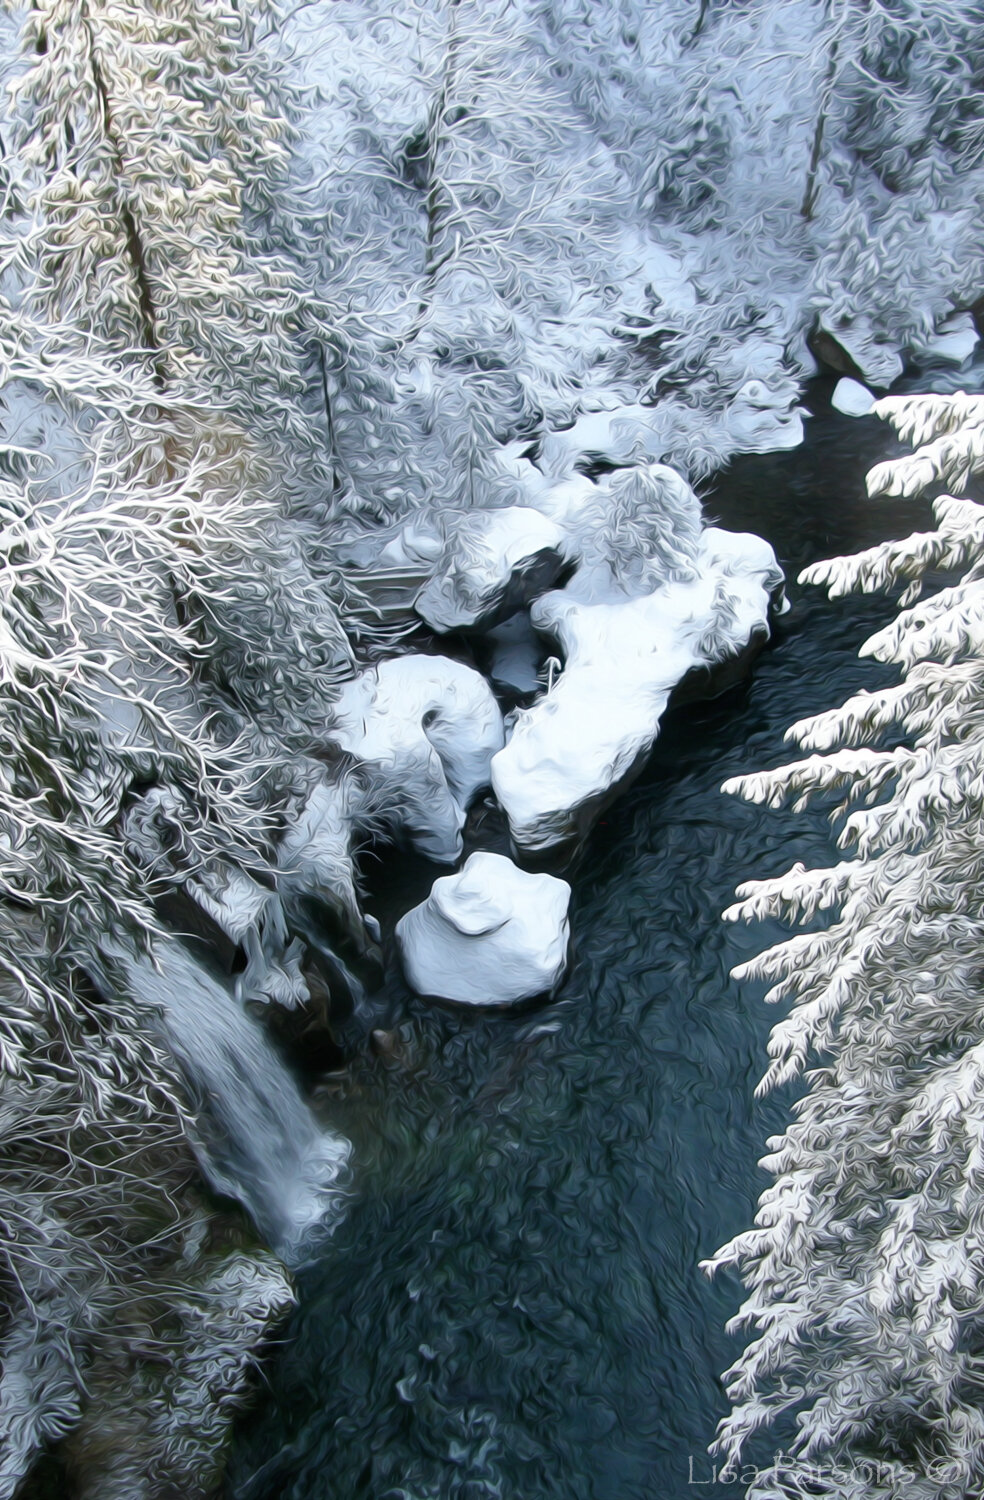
(426, 728)
(623, 657)
(490, 935)
(758, 419)
(852, 398)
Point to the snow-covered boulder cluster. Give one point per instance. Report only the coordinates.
(854, 347)
(589, 592)
(490, 935)
(653, 596)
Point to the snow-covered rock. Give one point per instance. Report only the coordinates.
(490, 935)
(623, 657)
(426, 728)
(493, 563)
(622, 435)
(417, 543)
(761, 417)
(315, 857)
(852, 398)
(953, 343)
(253, 918)
(855, 350)
(761, 420)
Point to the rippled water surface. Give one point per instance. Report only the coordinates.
(512, 1307)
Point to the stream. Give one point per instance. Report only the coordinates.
(511, 1307)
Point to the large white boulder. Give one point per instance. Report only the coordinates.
(490, 935)
(494, 562)
(426, 728)
(623, 657)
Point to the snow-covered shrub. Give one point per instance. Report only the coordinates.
(866, 1266)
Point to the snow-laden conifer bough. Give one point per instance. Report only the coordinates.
(865, 1268)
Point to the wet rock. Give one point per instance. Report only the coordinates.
(515, 654)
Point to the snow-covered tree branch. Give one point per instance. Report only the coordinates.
(865, 1268)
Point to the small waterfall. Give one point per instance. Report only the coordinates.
(258, 1140)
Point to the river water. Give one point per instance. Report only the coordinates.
(511, 1308)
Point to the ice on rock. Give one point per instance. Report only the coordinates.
(426, 728)
(490, 935)
(494, 562)
(623, 657)
(852, 398)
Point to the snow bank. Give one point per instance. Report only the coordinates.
(490, 935)
(426, 728)
(624, 435)
(623, 657)
(759, 418)
(762, 420)
(316, 865)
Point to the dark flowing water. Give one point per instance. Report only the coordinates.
(512, 1309)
